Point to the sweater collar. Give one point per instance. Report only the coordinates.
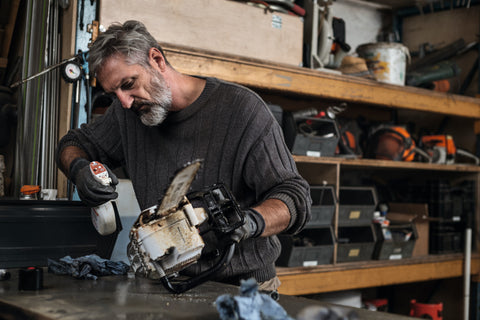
(177, 116)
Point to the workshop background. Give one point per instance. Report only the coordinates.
(378, 100)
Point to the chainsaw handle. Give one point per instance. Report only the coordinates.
(182, 286)
(469, 155)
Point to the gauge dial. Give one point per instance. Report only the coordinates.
(71, 72)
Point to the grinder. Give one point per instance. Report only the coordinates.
(169, 237)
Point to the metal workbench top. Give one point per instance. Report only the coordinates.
(123, 297)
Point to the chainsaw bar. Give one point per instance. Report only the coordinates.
(179, 186)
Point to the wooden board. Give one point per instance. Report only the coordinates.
(302, 81)
(304, 280)
(217, 25)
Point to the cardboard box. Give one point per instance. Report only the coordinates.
(416, 213)
(216, 25)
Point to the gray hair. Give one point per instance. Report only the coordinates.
(130, 39)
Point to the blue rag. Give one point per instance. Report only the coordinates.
(87, 267)
(249, 305)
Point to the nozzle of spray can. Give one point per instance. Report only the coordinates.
(103, 216)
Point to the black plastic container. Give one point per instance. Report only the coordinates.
(356, 206)
(316, 137)
(323, 206)
(395, 247)
(311, 247)
(355, 243)
(31, 231)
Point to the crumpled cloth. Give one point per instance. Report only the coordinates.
(87, 267)
(249, 305)
(327, 313)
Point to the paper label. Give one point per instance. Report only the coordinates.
(313, 153)
(354, 215)
(310, 263)
(276, 22)
(354, 252)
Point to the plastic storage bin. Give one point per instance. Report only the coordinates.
(31, 231)
(311, 247)
(355, 243)
(315, 137)
(323, 206)
(356, 205)
(394, 242)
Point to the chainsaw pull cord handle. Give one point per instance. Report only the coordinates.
(182, 286)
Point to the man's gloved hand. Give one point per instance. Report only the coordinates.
(252, 228)
(91, 191)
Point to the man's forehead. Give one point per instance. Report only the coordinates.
(113, 72)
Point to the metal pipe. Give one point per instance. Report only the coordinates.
(466, 273)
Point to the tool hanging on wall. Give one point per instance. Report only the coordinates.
(325, 43)
(71, 69)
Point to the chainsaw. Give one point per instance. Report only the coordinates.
(169, 237)
(443, 150)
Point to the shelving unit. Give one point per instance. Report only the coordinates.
(301, 83)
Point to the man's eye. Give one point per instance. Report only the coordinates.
(127, 85)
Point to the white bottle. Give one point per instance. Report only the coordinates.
(103, 216)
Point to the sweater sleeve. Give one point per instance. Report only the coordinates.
(100, 140)
(271, 171)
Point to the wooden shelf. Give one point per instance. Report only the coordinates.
(386, 164)
(358, 275)
(306, 83)
(320, 84)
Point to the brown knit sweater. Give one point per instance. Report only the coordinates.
(241, 144)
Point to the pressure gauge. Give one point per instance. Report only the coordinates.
(71, 71)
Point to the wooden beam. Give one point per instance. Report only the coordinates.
(9, 28)
(303, 281)
(307, 82)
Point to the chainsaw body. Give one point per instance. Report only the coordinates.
(167, 242)
(169, 237)
(443, 150)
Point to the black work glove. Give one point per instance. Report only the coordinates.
(252, 228)
(91, 191)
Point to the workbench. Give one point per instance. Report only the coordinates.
(127, 297)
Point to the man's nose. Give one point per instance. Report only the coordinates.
(125, 99)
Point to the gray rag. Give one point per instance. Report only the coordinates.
(249, 305)
(87, 267)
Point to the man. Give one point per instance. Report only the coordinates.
(163, 119)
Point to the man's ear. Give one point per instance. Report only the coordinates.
(156, 59)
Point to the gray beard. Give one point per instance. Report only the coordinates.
(155, 115)
(157, 109)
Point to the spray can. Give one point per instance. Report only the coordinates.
(103, 216)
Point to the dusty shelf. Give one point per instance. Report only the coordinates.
(302, 81)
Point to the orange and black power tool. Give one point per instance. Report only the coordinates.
(442, 149)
